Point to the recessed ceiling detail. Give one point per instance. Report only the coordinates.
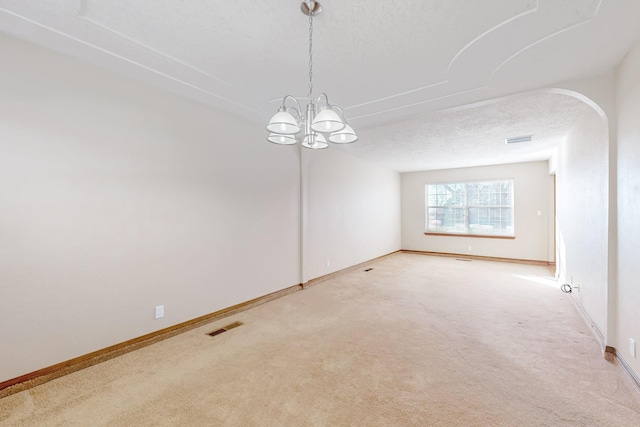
(384, 62)
(474, 135)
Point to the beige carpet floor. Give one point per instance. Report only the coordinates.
(417, 341)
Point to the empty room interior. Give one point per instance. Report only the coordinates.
(191, 233)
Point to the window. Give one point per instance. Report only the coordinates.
(482, 208)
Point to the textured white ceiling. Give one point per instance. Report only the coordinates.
(473, 135)
(392, 65)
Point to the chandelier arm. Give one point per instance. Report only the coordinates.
(337, 107)
(296, 114)
(326, 99)
(284, 101)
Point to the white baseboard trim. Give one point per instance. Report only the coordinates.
(607, 351)
(627, 368)
(597, 332)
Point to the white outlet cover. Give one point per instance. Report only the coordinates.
(632, 347)
(159, 311)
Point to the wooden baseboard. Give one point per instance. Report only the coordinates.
(346, 270)
(481, 258)
(44, 375)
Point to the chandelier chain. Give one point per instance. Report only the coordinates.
(310, 95)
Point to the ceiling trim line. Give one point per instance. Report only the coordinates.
(398, 94)
(129, 61)
(156, 51)
(587, 21)
(419, 102)
(490, 30)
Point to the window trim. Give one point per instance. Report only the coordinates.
(466, 208)
(486, 236)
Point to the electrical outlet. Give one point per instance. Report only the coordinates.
(328, 264)
(159, 311)
(469, 248)
(632, 347)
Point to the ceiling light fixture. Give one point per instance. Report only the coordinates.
(313, 129)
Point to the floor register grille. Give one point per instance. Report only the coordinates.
(225, 329)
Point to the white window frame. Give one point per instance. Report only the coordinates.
(465, 208)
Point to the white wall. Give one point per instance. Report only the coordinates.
(628, 292)
(533, 189)
(582, 214)
(353, 211)
(116, 197)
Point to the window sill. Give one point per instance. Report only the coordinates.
(483, 236)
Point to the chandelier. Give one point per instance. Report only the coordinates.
(321, 121)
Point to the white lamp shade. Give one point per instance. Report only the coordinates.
(344, 136)
(283, 123)
(327, 121)
(278, 138)
(314, 142)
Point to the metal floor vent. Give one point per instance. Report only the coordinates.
(369, 269)
(462, 259)
(225, 329)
